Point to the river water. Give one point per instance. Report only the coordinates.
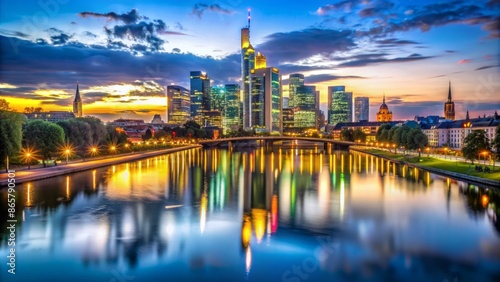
(254, 215)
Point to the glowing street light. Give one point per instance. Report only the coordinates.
(67, 151)
(28, 159)
(485, 153)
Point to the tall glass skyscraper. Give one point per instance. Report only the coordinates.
(339, 105)
(305, 108)
(361, 109)
(178, 104)
(232, 108)
(295, 80)
(200, 96)
(266, 100)
(247, 64)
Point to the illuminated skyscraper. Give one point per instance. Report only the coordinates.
(217, 98)
(449, 106)
(339, 105)
(266, 100)
(232, 110)
(296, 80)
(361, 109)
(200, 96)
(178, 104)
(77, 103)
(247, 65)
(305, 106)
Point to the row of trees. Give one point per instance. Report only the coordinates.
(478, 142)
(410, 138)
(353, 135)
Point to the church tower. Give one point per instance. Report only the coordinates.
(77, 103)
(449, 106)
(384, 114)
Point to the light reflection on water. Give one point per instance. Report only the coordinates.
(286, 215)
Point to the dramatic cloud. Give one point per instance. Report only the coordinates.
(292, 46)
(346, 6)
(201, 8)
(374, 60)
(464, 61)
(127, 18)
(142, 32)
(317, 78)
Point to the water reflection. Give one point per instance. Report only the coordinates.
(253, 214)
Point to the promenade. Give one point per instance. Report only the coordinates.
(25, 175)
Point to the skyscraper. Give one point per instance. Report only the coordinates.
(178, 104)
(295, 80)
(305, 107)
(266, 101)
(232, 111)
(247, 65)
(449, 106)
(200, 96)
(361, 109)
(77, 103)
(384, 114)
(339, 105)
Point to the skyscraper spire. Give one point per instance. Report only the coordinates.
(449, 91)
(248, 18)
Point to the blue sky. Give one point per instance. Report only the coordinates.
(124, 53)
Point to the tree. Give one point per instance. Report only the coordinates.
(78, 133)
(30, 110)
(97, 128)
(383, 132)
(161, 134)
(4, 105)
(147, 135)
(46, 137)
(346, 135)
(10, 134)
(496, 140)
(475, 143)
(192, 124)
(115, 135)
(358, 134)
(416, 139)
(399, 135)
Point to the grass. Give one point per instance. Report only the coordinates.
(448, 165)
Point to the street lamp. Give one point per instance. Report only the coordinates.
(445, 152)
(28, 159)
(485, 153)
(67, 155)
(113, 148)
(427, 150)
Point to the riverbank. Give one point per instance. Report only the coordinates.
(455, 169)
(43, 173)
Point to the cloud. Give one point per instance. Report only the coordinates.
(493, 27)
(127, 18)
(142, 32)
(89, 34)
(346, 5)
(394, 42)
(317, 78)
(464, 61)
(179, 26)
(13, 33)
(200, 8)
(283, 47)
(487, 67)
(60, 39)
(379, 59)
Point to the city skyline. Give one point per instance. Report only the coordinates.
(125, 56)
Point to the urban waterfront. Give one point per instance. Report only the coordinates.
(290, 214)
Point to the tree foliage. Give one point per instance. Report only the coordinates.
(383, 133)
(78, 133)
(4, 105)
(115, 136)
(415, 139)
(46, 137)
(10, 134)
(358, 134)
(346, 135)
(475, 143)
(30, 110)
(97, 128)
(496, 140)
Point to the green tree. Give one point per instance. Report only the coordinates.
(46, 137)
(78, 134)
(10, 134)
(115, 136)
(346, 135)
(358, 134)
(383, 132)
(192, 124)
(98, 130)
(416, 139)
(30, 110)
(400, 135)
(474, 144)
(496, 141)
(4, 105)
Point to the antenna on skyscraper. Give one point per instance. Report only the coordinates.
(248, 18)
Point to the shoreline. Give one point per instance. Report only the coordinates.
(44, 173)
(459, 176)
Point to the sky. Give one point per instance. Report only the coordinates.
(125, 53)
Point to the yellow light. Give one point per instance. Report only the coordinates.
(113, 148)
(126, 145)
(67, 151)
(28, 155)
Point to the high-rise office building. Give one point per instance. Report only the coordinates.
(384, 114)
(247, 65)
(339, 105)
(178, 104)
(361, 109)
(305, 107)
(77, 103)
(449, 106)
(217, 98)
(266, 102)
(231, 119)
(295, 80)
(200, 96)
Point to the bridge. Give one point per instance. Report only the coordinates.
(267, 141)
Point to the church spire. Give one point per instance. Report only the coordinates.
(77, 103)
(383, 102)
(449, 91)
(77, 95)
(467, 115)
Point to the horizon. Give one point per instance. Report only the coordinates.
(124, 55)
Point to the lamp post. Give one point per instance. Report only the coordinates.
(113, 148)
(445, 152)
(28, 159)
(67, 155)
(485, 153)
(427, 150)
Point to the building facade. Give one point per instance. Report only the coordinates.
(305, 107)
(52, 116)
(231, 120)
(361, 109)
(339, 105)
(200, 96)
(178, 104)
(295, 80)
(77, 103)
(449, 106)
(266, 102)
(247, 65)
(384, 115)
